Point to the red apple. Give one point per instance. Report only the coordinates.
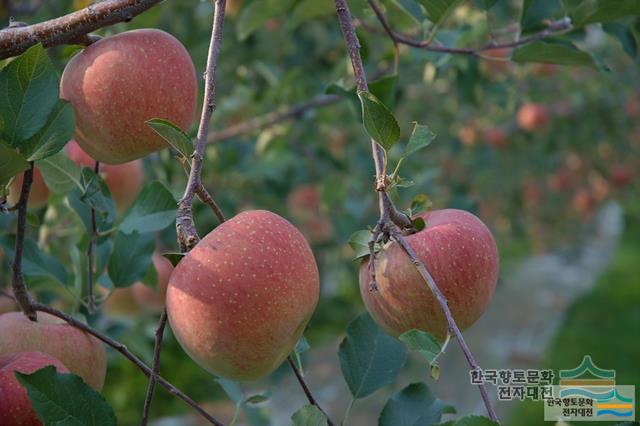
(121, 303)
(496, 137)
(15, 405)
(621, 176)
(239, 301)
(461, 255)
(82, 353)
(154, 299)
(468, 134)
(304, 204)
(496, 61)
(119, 82)
(532, 117)
(124, 180)
(38, 194)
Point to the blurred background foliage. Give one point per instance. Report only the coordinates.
(537, 189)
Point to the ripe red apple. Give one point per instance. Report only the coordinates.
(15, 405)
(124, 180)
(240, 300)
(119, 82)
(38, 194)
(304, 204)
(620, 176)
(532, 117)
(496, 137)
(121, 303)
(82, 353)
(461, 255)
(154, 299)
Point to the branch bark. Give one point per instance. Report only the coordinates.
(92, 239)
(72, 28)
(306, 389)
(155, 368)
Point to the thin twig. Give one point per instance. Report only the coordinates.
(129, 355)
(23, 298)
(155, 368)
(71, 28)
(92, 238)
(187, 234)
(306, 389)
(205, 197)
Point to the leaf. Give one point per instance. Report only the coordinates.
(384, 89)
(439, 10)
(309, 415)
(488, 4)
(257, 13)
(174, 258)
(359, 242)
(131, 258)
(420, 204)
(553, 52)
(11, 163)
(536, 13)
(60, 173)
(256, 399)
(308, 10)
(585, 12)
(28, 93)
(173, 135)
(378, 121)
(418, 223)
(302, 345)
(154, 210)
(54, 135)
(421, 137)
(96, 195)
(65, 400)
(35, 262)
(413, 406)
(624, 35)
(369, 357)
(424, 343)
(471, 421)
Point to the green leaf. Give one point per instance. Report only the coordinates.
(624, 35)
(257, 13)
(536, 13)
(131, 258)
(154, 210)
(412, 406)
(35, 262)
(421, 137)
(173, 135)
(378, 121)
(256, 399)
(420, 204)
(309, 415)
(96, 195)
(418, 223)
(384, 89)
(439, 10)
(427, 345)
(369, 357)
(308, 10)
(585, 12)
(488, 4)
(174, 258)
(471, 421)
(28, 93)
(359, 243)
(11, 163)
(60, 173)
(65, 400)
(553, 52)
(55, 134)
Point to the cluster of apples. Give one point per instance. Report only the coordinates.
(241, 298)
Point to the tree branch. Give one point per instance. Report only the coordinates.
(72, 28)
(155, 367)
(187, 234)
(306, 389)
(129, 355)
(22, 296)
(92, 238)
(389, 223)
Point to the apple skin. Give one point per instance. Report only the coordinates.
(621, 176)
(496, 137)
(154, 299)
(15, 405)
(121, 303)
(461, 256)
(124, 180)
(532, 117)
(239, 301)
(84, 354)
(38, 194)
(119, 82)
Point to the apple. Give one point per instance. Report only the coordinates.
(304, 204)
(497, 61)
(7, 304)
(233, 7)
(583, 201)
(124, 180)
(621, 176)
(38, 194)
(83, 354)
(148, 298)
(496, 137)
(532, 117)
(468, 134)
(241, 298)
(560, 180)
(460, 254)
(545, 70)
(15, 404)
(121, 303)
(119, 82)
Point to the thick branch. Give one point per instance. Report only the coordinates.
(23, 298)
(186, 230)
(129, 355)
(71, 28)
(306, 389)
(155, 368)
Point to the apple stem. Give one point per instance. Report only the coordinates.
(392, 222)
(20, 292)
(155, 368)
(306, 389)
